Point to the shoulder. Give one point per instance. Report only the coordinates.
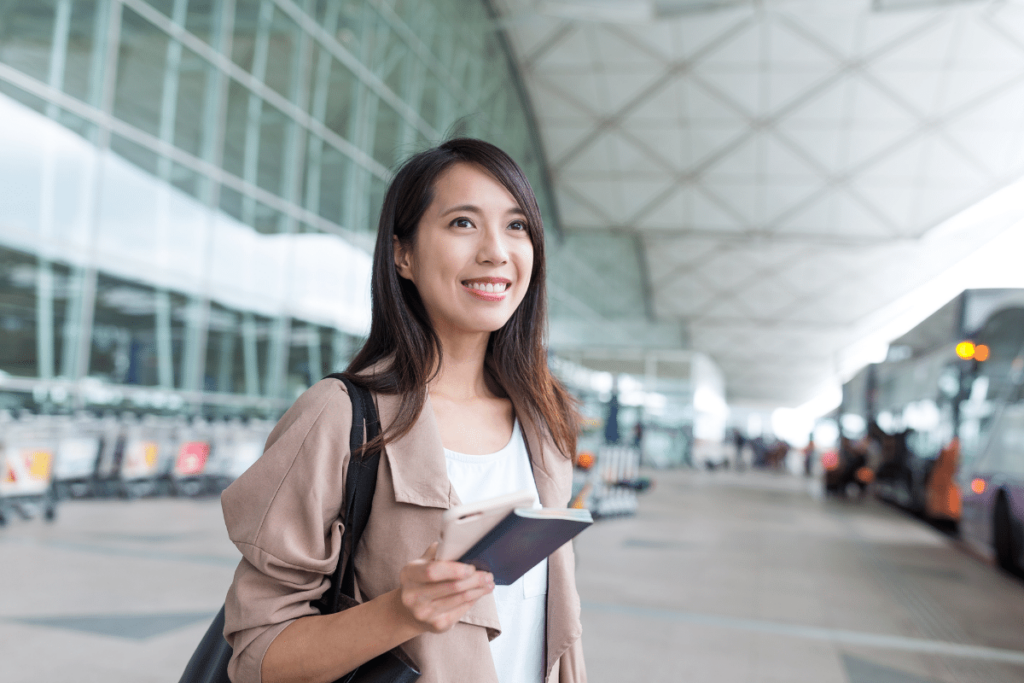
(328, 396)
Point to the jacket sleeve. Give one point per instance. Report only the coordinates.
(283, 514)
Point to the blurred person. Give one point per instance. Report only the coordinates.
(456, 364)
(809, 452)
(739, 441)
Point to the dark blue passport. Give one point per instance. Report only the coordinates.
(524, 538)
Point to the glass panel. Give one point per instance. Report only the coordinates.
(188, 181)
(377, 189)
(19, 95)
(138, 334)
(274, 125)
(267, 221)
(142, 157)
(341, 95)
(126, 234)
(26, 34)
(225, 369)
(391, 70)
(165, 7)
(332, 174)
(303, 358)
(203, 19)
(283, 53)
(140, 73)
(85, 128)
(234, 131)
(18, 313)
(231, 202)
(243, 44)
(430, 110)
(194, 80)
(78, 65)
(388, 135)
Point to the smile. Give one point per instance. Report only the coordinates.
(491, 289)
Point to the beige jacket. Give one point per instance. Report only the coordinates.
(283, 515)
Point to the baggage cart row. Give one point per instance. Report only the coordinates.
(48, 458)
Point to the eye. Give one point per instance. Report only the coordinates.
(517, 225)
(461, 223)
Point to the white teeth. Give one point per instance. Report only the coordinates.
(487, 287)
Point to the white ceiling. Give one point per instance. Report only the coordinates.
(781, 163)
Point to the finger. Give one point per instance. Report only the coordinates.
(459, 601)
(432, 571)
(443, 589)
(430, 553)
(436, 571)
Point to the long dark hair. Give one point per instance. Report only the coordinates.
(401, 333)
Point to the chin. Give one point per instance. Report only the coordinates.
(486, 325)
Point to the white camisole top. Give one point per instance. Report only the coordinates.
(522, 607)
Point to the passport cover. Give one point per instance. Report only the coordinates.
(524, 538)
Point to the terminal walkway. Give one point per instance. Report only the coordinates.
(722, 577)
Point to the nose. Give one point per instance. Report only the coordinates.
(493, 249)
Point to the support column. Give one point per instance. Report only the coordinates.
(107, 38)
(226, 359)
(45, 363)
(164, 347)
(277, 361)
(249, 356)
(316, 363)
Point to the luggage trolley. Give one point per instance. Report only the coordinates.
(615, 470)
(78, 452)
(107, 476)
(146, 445)
(188, 476)
(26, 469)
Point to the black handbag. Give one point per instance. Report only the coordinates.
(209, 663)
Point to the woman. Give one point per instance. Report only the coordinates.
(456, 362)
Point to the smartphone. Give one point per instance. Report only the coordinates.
(464, 525)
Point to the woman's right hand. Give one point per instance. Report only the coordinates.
(436, 594)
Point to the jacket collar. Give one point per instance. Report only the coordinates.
(417, 462)
(418, 465)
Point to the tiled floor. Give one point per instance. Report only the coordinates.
(721, 577)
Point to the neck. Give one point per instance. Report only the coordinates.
(461, 377)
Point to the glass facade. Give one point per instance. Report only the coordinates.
(189, 188)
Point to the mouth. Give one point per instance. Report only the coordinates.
(488, 288)
(488, 285)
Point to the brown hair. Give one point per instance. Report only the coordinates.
(401, 332)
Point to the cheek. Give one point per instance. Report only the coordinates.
(526, 265)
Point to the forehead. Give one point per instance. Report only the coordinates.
(466, 183)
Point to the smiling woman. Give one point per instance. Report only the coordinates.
(457, 366)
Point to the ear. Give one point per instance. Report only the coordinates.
(403, 258)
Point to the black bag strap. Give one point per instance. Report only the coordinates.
(360, 483)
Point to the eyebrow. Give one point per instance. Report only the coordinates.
(471, 208)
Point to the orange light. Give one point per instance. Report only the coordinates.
(978, 486)
(965, 350)
(981, 353)
(585, 460)
(865, 475)
(830, 460)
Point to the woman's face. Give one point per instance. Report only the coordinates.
(471, 257)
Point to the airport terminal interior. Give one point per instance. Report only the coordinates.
(784, 246)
